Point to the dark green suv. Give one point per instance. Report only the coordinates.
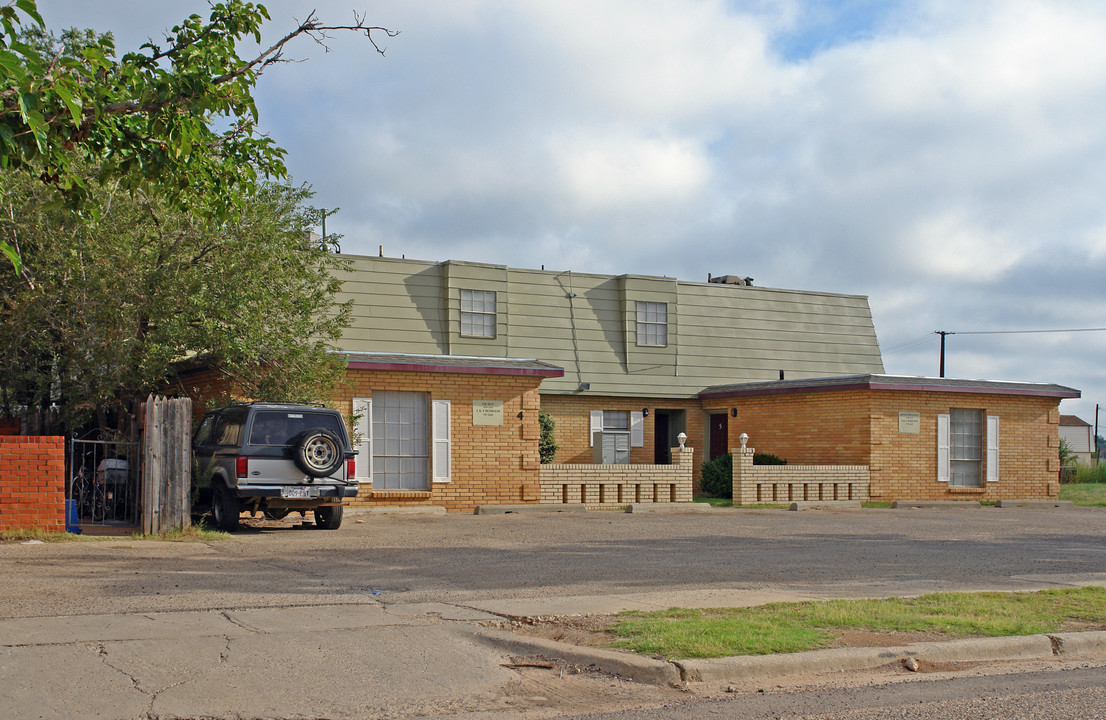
(274, 459)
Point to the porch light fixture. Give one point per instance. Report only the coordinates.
(744, 438)
(645, 412)
(681, 438)
(733, 412)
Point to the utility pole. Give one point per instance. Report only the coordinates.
(943, 333)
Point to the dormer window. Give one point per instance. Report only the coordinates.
(652, 324)
(478, 313)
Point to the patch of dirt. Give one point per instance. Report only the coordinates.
(585, 630)
(872, 638)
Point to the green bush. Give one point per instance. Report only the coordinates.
(547, 444)
(717, 477)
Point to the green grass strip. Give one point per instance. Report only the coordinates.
(793, 627)
(1085, 494)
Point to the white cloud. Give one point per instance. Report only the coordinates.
(620, 170)
(947, 158)
(952, 247)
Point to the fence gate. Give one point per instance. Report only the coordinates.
(104, 481)
(167, 465)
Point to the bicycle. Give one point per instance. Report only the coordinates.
(91, 495)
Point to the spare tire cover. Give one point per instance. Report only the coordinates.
(318, 452)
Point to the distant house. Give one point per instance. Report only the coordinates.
(1078, 435)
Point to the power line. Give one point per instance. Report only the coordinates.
(914, 342)
(944, 333)
(1014, 332)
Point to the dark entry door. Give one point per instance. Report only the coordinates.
(661, 452)
(719, 434)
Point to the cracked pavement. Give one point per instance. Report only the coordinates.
(382, 618)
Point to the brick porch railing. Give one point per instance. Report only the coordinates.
(754, 484)
(615, 485)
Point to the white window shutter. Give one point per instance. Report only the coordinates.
(441, 440)
(943, 448)
(992, 448)
(637, 429)
(596, 426)
(363, 463)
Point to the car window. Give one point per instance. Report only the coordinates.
(280, 427)
(203, 432)
(229, 428)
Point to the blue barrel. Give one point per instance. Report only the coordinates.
(72, 519)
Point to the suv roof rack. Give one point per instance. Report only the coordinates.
(245, 403)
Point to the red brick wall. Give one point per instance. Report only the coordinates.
(491, 464)
(572, 415)
(32, 483)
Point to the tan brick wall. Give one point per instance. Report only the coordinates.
(32, 482)
(753, 484)
(816, 428)
(861, 427)
(572, 415)
(614, 485)
(904, 465)
(490, 464)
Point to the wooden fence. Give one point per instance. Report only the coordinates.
(167, 465)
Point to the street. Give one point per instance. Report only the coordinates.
(392, 616)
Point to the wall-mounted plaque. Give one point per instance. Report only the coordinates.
(487, 412)
(910, 422)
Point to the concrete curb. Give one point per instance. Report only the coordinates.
(635, 667)
(1035, 503)
(1023, 647)
(1079, 643)
(826, 505)
(668, 507)
(936, 504)
(395, 510)
(749, 667)
(535, 508)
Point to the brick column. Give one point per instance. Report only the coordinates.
(744, 490)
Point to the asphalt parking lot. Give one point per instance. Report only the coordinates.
(464, 558)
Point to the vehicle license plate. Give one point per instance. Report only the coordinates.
(295, 492)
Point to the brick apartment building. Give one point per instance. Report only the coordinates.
(450, 362)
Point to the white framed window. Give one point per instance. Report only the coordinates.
(478, 313)
(400, 433)
(630, 422)
(967, 448)
(652, 324)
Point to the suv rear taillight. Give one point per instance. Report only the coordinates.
(351, 468)
(241, 466)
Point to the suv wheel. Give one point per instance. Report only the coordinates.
(318, 452)
(224, 509)
(329, 517)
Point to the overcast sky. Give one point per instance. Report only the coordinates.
(946, 158)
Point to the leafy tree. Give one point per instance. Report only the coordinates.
(179, 113)
(121, 297)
